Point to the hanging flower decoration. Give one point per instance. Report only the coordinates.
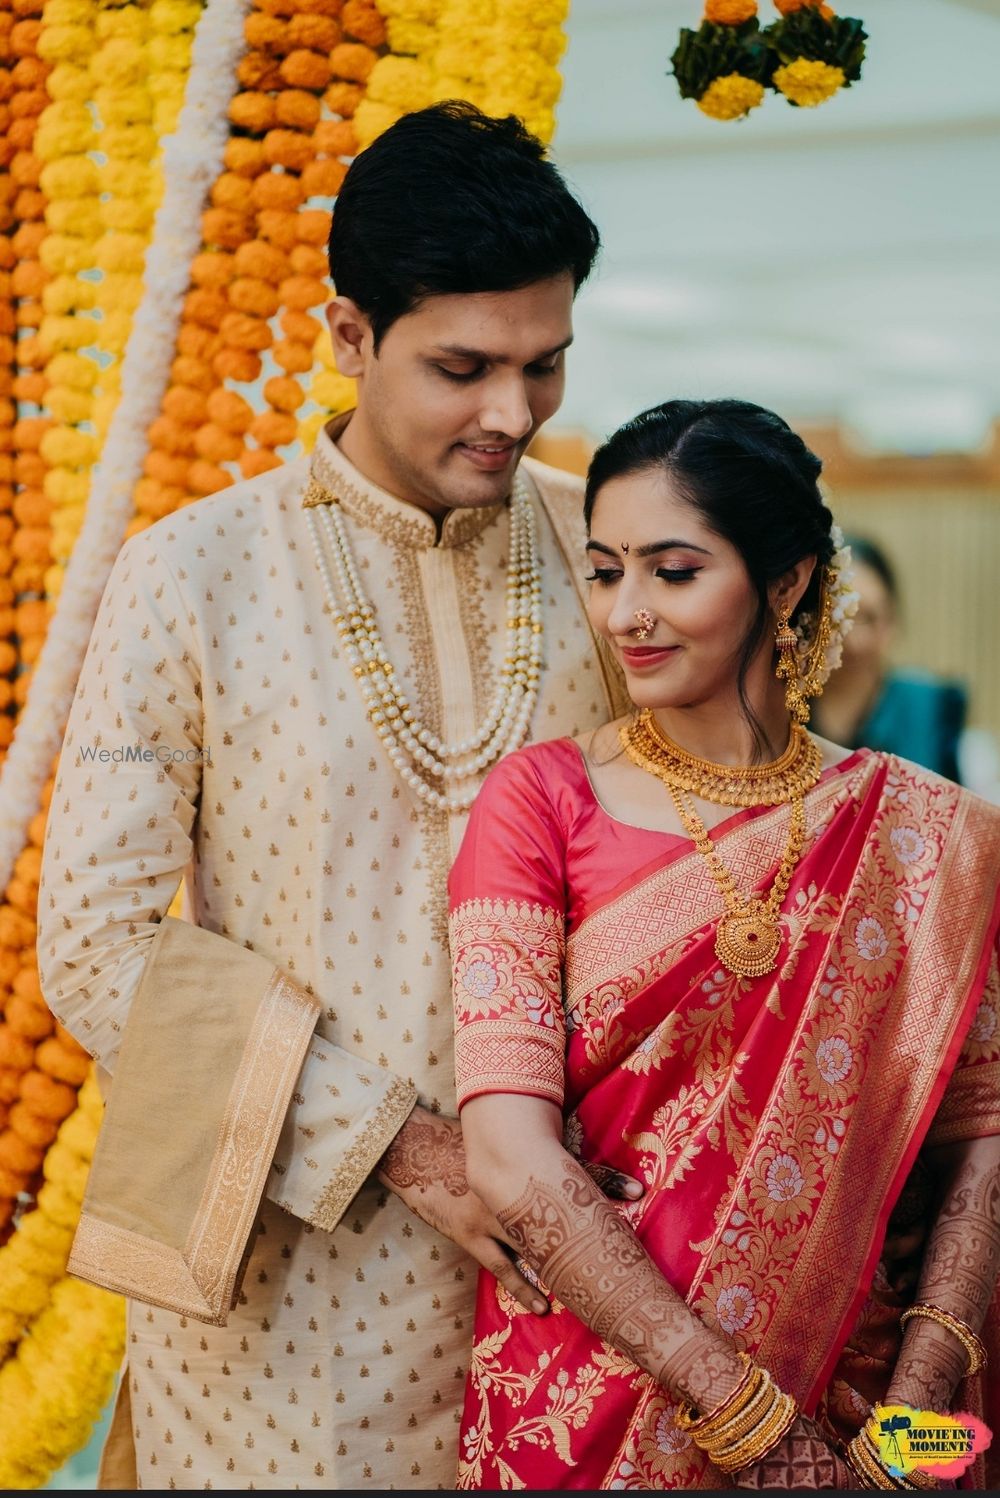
(725, 65)
(729, 63)
(818, 52)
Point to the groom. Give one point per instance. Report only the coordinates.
(324, 662)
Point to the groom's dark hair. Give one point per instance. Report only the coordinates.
(451, 200)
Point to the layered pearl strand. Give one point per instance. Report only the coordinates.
(408, 743)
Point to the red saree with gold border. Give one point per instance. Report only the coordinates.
(774, 1121)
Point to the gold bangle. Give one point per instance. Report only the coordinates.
(866, 1445)
(686, 1418)
(870, 1471)
(974, 1348)
(762, 1440)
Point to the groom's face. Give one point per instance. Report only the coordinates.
(456, 390)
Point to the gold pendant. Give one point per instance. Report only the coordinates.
(748, 939)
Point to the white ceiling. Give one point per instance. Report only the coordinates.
(839, 263)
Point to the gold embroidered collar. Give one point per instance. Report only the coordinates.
(332, 476)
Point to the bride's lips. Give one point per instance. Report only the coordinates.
(642, 657)
(490, 457)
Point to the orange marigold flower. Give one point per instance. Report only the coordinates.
(223, 227)
(232, 191)
(31, 545)
(730, 12)
(252, 111)
(67, 1063)
(313, 226)
(293, 357)
(274, 429)
(31, 387)
(29, 431)
(258, 71)
(323, 179)
(243, 332)
(171, 436)
(278, 227)
(302, 292)
(46, 1096)
(258, 460)
(185, 405)
(238, 364)
(167, 469)
(200, 343)
(244, 156)
(32, 508)
(305, 69)
(27, 240)
(216, 444)
(206, 305)
(307, 260)
(212, 268)
(343, 98)
(207, 478)
(286, 148)
(16, 1154)
(318, 33)
(300, 326)
(16, 1051)
(265, 33)
(277, 190)
(256, 298)
(283, 393)
(362, 20)
(31, 1128)
(335, 138)
(230, 411)
(297, 109)
(33, 1021)
(26, 169)
(155, 499)
(353, 61)
(260, 260)
(32, 618)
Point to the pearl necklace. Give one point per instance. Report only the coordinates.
(407, 742)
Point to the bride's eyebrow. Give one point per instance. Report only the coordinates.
(652, 549)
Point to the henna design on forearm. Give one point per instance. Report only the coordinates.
(959, 1275)
(803, 1460)
(426, 1152)
(597, 1267)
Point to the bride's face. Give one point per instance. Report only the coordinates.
(655, 562)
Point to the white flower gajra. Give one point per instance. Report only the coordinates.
(843, 604)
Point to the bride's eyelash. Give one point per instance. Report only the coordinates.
(608, 575)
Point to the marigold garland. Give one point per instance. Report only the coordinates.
(99, 89)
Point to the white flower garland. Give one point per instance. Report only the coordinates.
(192, 159)
(843, 605)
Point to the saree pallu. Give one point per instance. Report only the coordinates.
(773, 1121)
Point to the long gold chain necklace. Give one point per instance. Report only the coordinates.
(749, 934)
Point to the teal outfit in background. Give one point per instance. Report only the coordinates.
(920, 717)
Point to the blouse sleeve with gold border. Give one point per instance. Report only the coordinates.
(507, 927)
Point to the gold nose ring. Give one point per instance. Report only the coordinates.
(646, 622)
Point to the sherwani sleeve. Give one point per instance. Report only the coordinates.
(120, 835)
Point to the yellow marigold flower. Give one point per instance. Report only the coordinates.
(412, 37)
(68, 447)
(129, 140)
(731, 97)
(371, 119)
(134, 216)
(66, 405)
(807, 82)
(64, 487)
(402, 83)
(74, 370)
(61, 254)
(121, 62)
(333, 391)
(69, 12)
(124, 21)
(174, 15)
(425, 11)
(64, 293)
(65, 43)
(169, 54)
(67, 81)
(123, 106)
(71, 216)
(70, 178)
(127, 179)
(121, 252)
(534, 15)
(730, 12)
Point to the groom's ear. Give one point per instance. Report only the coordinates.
(351, 336)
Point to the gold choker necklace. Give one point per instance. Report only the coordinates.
(792, 774)
(749, 935)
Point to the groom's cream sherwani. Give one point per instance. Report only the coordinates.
(315, 885)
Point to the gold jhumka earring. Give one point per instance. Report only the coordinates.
(802, 676)
(646, 622)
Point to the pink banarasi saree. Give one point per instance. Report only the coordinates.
(774, 1121)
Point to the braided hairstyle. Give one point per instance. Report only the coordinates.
(752, 480)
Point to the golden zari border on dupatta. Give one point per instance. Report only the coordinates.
(905, 1020)
(172, 1225)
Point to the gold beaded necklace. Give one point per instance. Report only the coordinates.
(749, 935)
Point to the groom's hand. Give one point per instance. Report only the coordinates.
(425, 1167)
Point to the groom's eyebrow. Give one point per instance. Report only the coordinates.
(483, 356)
